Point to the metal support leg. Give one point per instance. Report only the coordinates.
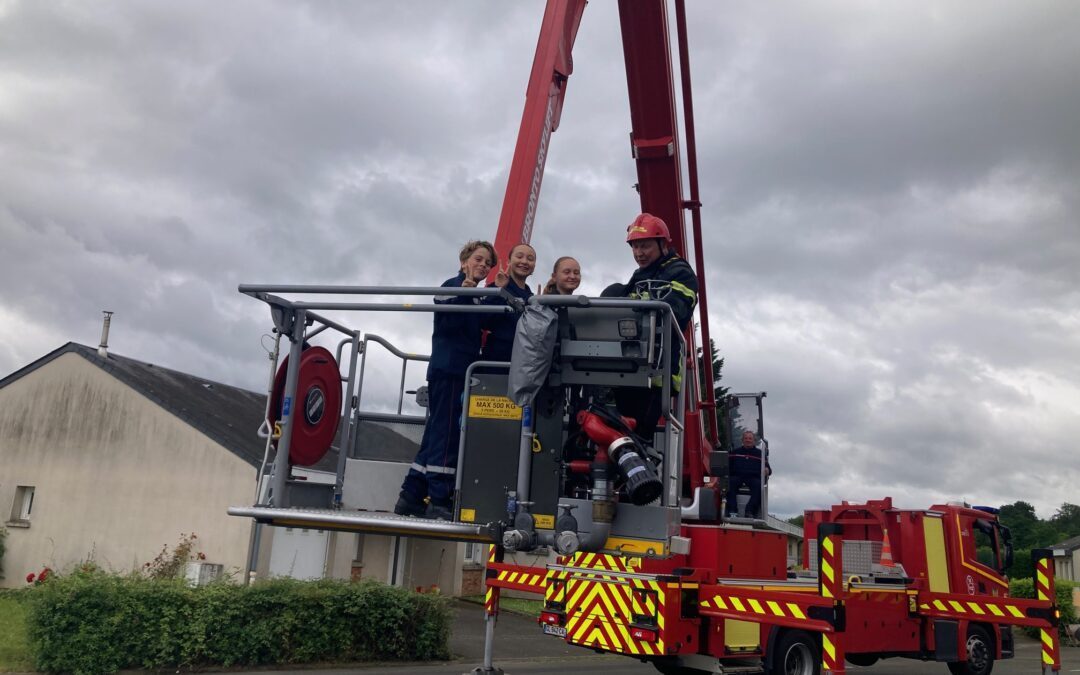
(831, 585)
(288, 406)
(491, 614)
(1049, 639)
(349, 417)
(524, 477)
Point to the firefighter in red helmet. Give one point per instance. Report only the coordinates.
(661, 275)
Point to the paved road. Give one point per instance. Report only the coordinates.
(520, 649)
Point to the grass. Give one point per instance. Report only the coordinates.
(515, 605)
(14, 650)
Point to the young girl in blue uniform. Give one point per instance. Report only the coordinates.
(513, 279)
(455, 345)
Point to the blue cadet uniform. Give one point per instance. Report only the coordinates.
(744, 466)
(455, 345)
(500, 342)
(671, 280)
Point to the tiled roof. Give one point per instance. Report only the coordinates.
(228, 415)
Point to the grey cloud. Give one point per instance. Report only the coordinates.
(890, 198)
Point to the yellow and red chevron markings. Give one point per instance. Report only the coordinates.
(773, 607)
(555, 590)
(517, 577)
(832, 566)
(492, 593)
(1044, 592)
(601, 602)
(831, 587)
(983, 608)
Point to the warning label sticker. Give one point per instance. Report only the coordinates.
(493, 407)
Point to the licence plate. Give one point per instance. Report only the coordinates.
(554, 630)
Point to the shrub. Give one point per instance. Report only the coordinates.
(91, 622)
(170, 564)
(3, 547)
(1025, 588)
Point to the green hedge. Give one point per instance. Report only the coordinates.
(1025, 588)
(97, 623)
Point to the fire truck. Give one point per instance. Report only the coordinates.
(647, 566)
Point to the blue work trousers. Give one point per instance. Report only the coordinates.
(434, 471)
(753, 483)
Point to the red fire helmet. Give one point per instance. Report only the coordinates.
(647, 226)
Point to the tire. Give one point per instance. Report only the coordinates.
(980, 653)
(863, 660)
(797, 653)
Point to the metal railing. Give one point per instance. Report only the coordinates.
(292, 317)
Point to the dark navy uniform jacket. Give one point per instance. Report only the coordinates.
(679, 284)
(500, 342)
(674, 282)
(455, 341)
(746, 461)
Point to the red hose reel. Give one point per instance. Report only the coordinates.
(316, 411)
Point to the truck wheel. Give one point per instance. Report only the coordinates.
(980, 654)
(796, 654)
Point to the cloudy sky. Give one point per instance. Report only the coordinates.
(891, 194)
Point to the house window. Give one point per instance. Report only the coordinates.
(23, 505)
(474, 553)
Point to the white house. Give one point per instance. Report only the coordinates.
(110, 459)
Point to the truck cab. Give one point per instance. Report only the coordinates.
(923, 553)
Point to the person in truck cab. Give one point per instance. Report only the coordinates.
(661, 275)
(744, 468)
(455, 345)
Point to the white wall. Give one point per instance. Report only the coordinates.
(116, 477)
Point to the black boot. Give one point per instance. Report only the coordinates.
(407, 505)
(441, 511)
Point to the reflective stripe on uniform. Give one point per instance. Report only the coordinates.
(676, 381)
(442, 469)
(685, 290)
(416, 467)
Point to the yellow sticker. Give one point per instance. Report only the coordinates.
(544, 522)
(468, 515)
(493, 407)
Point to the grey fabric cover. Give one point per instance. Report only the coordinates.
(534, 347)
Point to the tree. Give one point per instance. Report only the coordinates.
(796, 520)
(1066, 521)
(717, 369)
(1021, 519)
(1029, 531)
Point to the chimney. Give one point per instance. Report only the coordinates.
(103, 348)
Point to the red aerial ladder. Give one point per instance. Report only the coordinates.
(732, 591)
(650, 569)
(654, 145)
